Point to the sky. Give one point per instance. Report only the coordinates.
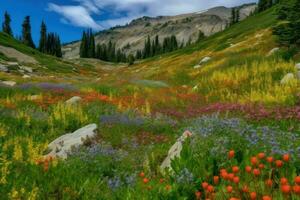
(69, 18)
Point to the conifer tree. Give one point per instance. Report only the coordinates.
(43, 38)
(83, 46)
(233, 16)
(201, 36)
(26, 33)
(6, 24)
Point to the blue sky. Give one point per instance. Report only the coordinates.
(69, 18)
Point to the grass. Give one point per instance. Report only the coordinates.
(141, 111)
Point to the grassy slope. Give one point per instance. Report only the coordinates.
(52, 63)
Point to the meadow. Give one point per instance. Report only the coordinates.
(244, 122)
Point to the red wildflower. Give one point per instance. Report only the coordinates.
(296, 189)
(286, 157)
(231, 154)
(236, 179)
(270, 159)
(283, 181)
(256, 172)
(146, 180)
(297, 180)
(198, 194)
(254, 160)
(279, 163)
(235, 169)
(266, 197)
(253, 195)
(216, 180)
(261, 155)
(269, 182)
(248, 169)
(286, 189)
(229, 189)
(204, 185)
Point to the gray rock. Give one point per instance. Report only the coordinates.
(74, 100)
(197, 66)
(12, 64)
(27, 69)
(3, 68)
(205, 60)
(26, 76)
(175, 151)
(274, 50)
(9, 83)
(298, 66)
(287, 79)
(61, 146)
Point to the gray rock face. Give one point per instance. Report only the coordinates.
(61, 146)
(175, 151)
(74, 100)
(287, 79)
(274, 50)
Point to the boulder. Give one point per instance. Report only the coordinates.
(287, 79)
(205, 60)
(9, 83)
(74, 100)
(197, 66)
(274, 50)
(25, 76)
(3, 68)
(26, 69)
(175, 151)
(61, 146)
(298, 66)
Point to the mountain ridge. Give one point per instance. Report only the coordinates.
(131, 36)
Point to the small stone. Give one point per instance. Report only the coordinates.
(288, 78)
(25, 76)
(274, 50)
(205, 60)
(74, 100)
(298, 66)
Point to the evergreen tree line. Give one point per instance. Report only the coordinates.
(288, 31)
(169, 44)
(235, 16)
(49, 43)
(265, 4)
(105, 52)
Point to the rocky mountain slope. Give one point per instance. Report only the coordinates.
(131, 37)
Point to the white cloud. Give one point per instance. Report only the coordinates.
(123, 11)
(75, 15)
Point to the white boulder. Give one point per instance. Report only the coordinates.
(175, 151)
(298, 66)
(288, 78)
(9, 83)
(197, 66)
(74, 100)
(25, 76)
(61, 146)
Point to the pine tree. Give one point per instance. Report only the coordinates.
(83, 46)
(26, 33)
(6, 24)
(43, 38)
(288, 31)
(58, 52)
(233, 16)
(237, 16)
(130, 59)
(91, 44)
(201, 36)
(157, 45)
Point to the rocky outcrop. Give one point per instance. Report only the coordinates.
(175, 151)
(63, 145)
(8, 83)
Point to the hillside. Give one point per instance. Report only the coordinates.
(218, 120)
(185, 27)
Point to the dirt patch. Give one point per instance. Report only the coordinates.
(20, 57)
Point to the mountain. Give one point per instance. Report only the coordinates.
(186, 27)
